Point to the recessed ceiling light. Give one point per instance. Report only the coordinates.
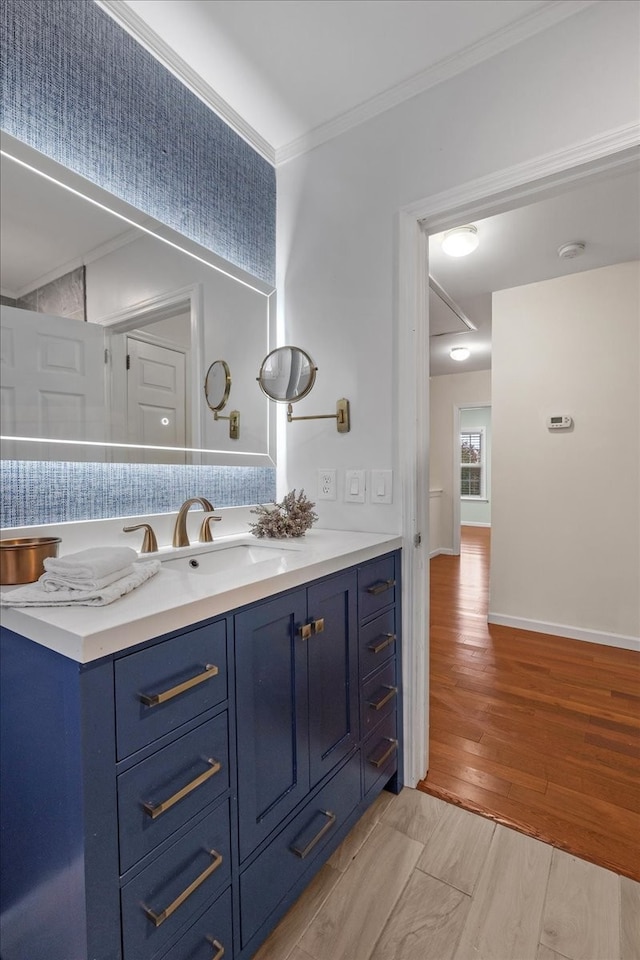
(460, 353)
(461, 241)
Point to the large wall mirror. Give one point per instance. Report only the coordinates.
(110, 322)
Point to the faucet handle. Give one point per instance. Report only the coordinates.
(205, 529)
(149, 542)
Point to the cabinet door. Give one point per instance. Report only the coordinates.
(333, 673)
(272, 711)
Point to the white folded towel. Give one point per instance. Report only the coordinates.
(90, 565)
(52, 582)
(33, 595)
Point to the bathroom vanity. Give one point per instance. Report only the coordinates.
(178, 765)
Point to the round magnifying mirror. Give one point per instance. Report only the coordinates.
(287, 374)
(217, 385)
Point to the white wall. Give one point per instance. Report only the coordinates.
(446, 392)
(337, 208)
(566, 514)
(478, 511)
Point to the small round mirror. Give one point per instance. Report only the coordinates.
(287, 374)
(217, 385)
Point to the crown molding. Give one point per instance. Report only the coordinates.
(619, 147)
(529, 25)
(134, 25)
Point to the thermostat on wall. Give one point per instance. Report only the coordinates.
(562, 422)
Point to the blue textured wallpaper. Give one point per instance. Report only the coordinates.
(78, 88)
(57, 492)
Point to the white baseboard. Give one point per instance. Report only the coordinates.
(472, 523)
(561, 630)
(446, 550)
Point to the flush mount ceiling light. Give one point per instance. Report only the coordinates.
(461, 241)
(460, 353)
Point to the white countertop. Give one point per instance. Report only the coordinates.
(174, 599)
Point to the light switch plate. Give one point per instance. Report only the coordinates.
(355, 486)
(327, 489)
(381, 490)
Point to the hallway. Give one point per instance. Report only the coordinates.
(536, 732)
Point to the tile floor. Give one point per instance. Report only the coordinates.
(421, 879)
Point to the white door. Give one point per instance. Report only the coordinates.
(156, 400)
(52, 385)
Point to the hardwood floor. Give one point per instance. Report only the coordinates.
(536, 732)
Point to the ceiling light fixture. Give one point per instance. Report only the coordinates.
(460, 353)
(461, 241)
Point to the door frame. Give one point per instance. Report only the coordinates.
(507, 189)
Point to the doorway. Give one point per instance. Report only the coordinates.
(506, 190)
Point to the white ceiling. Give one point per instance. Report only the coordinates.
(299, 71)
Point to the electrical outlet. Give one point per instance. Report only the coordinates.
(355, 486)
(327, 489)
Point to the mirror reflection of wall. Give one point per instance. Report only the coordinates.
(133, 373)
(287, 374)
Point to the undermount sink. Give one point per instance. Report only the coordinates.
(223, 558)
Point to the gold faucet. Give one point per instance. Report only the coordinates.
(180, 535)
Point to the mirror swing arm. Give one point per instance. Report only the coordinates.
(342, 415)
(218, 378)
(287, 374)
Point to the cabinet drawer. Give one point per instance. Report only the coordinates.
(210, 937)
(376, 586)
(265, 883)
(164, 686)
(379, 697)
(176, 887)
(380, 752)
(377, 642)
(160, 794)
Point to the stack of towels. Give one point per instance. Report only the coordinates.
(92, 577)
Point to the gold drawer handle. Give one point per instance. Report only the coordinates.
(220, 949)
(380, 761)
(378, 704)
(158, 918)
(155, 809)
(156, 698)
(303, 852)
(385, 640)
(317, 626)
(305, 631)
(381, 587)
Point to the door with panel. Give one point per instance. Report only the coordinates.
(272, 714)
(333, 673)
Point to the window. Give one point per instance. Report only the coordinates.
(472, 464)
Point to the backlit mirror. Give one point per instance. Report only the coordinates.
(106, 325)
(287, 374)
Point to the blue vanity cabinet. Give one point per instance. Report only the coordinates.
(171, 801)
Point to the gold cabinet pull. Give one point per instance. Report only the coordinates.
(317, 626)
(303, 852)
(381, 760)
(384, 640)
(305, 631)
(219, 948)
(155, 809)
(381, 587)
(378, 704)
(156, 698)
(158, 918)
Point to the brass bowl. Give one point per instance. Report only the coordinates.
(21, 559)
